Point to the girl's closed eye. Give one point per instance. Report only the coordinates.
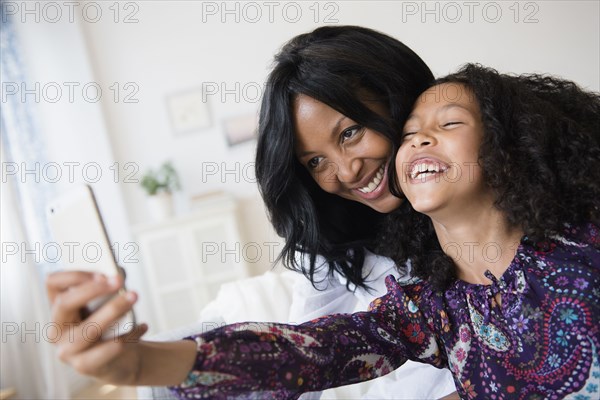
(451, 123)
(408, 133)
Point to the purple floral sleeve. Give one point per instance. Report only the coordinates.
(267, 360)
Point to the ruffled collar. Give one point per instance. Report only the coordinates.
(510, 286)
(510, 279)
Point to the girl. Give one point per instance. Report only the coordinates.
(495, 162)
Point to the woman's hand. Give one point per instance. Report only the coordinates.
(121, 360)
(114, 359)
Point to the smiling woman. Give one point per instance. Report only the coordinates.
(332, 111)
(344, 158)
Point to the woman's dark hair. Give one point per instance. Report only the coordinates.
(540, 155)
(330, 64)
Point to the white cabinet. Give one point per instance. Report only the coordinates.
(186, 259)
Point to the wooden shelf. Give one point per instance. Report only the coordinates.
(186, 259)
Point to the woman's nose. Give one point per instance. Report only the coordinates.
(347, 169)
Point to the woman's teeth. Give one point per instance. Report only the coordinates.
(375, 182)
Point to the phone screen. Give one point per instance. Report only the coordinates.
(78, 230)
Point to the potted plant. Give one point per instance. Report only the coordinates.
(159, 185)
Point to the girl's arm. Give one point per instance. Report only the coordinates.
(280, 359)
(286, 360)
(122, 360)
(333, 297)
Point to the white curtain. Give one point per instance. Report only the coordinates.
(28, 363)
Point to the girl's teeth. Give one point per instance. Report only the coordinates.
(425, 170)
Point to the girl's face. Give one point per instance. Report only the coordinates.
(437, 163)
(344, 158)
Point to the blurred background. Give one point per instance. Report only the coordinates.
(154, 105)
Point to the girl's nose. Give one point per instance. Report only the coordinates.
(421, 139)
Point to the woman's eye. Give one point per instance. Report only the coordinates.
(313, 162)
(350, 132)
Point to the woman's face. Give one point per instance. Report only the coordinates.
(438, 161)
(344, 158)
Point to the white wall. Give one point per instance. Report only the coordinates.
(177, 46)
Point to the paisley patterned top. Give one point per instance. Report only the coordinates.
(541, 342)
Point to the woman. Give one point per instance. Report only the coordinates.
(331, 113)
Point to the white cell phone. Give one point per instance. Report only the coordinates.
(79, 232)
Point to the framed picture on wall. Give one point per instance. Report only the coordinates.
(188, 111)
(240, 129)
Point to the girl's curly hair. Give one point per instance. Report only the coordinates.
(540, 155)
